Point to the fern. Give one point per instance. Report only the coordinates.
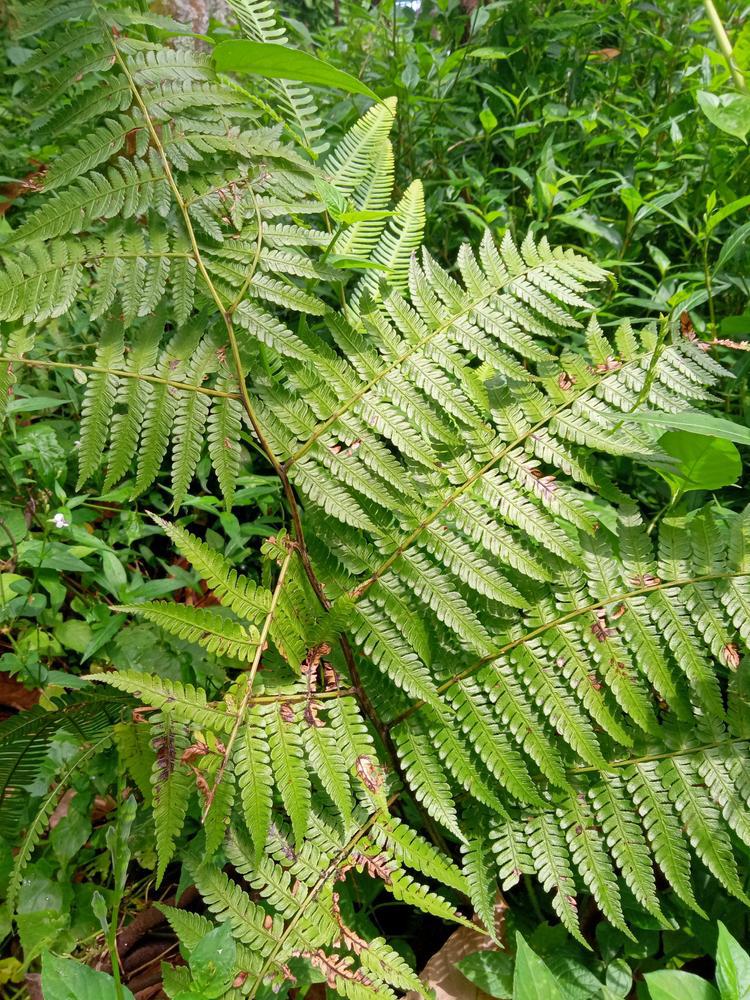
(170, 781)
(25, 740)
(467, 613)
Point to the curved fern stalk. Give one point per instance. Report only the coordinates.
(244, 704)
(622, 598)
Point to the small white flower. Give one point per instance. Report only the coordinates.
(59, 521)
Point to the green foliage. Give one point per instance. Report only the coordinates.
(534, 972)
(732, 968)
(462, 654)
(25, 740)
(64, 979)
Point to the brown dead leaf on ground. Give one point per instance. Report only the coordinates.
(61, 809)
(440, 973)
(14, 695)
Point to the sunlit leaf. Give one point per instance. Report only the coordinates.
(279, 62)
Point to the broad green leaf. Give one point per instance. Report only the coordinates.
(11, 586)
(487, 53)
(741, 48)
(728, 112)
(332, 198)
(532, 980)
(589, 223)
(733, 244)
(732, 967)
(74, 634)
(669, 984)
(619, 978)
(701, 463)
(727, 211)
(491, 971)
(695, 423)
(66, 979)
(279, 62)
(212, 962)
(487, 119)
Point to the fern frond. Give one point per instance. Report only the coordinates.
(171, 784)
(700, 816)
(215, 633)
(589, 857)
(355, 157)
(287, 758)
(98, 404)
(552, 862)
(426, 776)
(479, 872)
(184, 702)
(236, 592)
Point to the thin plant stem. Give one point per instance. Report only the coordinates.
(722, 39)
(242, 710)
(119, 373)
(620, 598)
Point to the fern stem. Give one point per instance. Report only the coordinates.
(120, 373)
(276, 699)
(562, 620)
(667, 755)
(226, 314)
(242, 710)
